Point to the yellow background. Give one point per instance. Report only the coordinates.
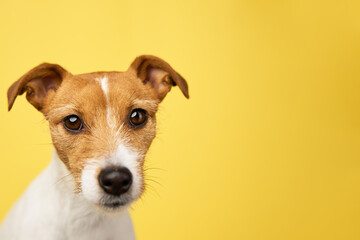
(267, 147)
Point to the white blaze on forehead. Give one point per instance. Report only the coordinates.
(109, 114)
(104, 86)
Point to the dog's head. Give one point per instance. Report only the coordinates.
(102, 123)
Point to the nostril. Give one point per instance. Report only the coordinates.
(126, 182)
(115, 181)
(107, 183)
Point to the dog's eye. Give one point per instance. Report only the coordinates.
(73, 123)
(138, 117)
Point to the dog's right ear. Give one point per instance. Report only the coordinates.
(37, 83)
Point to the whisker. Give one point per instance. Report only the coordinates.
(153, 168)
(62, 178)
(150, 189)
(152, 180)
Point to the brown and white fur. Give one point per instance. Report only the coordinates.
(66, 200)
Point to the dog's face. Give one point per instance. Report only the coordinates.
(102, 124)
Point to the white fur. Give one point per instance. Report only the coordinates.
(49, 209)
(127, 157)
(109, 113)
(104, 86)
(122, 157)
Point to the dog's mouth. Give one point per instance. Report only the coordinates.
(111, 203)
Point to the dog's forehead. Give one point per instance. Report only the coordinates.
(102, 88)
(114, 83)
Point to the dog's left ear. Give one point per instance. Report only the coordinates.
(159, 74)
(37, 83)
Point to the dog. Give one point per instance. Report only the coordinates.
(102, 125)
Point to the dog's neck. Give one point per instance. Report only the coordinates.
(53, 210)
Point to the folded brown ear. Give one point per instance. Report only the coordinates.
(159, 74)
(36, 83)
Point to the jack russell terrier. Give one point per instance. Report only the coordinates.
(102, 125)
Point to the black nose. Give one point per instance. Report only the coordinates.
(115, 181)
